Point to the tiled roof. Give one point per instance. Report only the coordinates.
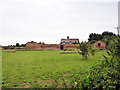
(70, 39)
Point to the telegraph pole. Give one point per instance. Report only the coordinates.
(118, 28)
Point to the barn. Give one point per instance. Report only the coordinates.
(99, 45)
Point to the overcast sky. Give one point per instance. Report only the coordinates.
(50, 20)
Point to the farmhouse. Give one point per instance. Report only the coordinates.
(69, 41)
(99, 45)
(42, 46)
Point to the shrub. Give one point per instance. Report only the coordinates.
(71, 50)
(15, 85)
(101, 49)
(79, 51)
(107, 74)
(65, 49)
(93, 50)
(4, 86)
(68, 52)
(11, 51)
(83, 47)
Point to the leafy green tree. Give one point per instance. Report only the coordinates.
(97, 37)
(94, 36)
(106, 33)
(83, 47)
(117, 51)
(23, 45)
(17, 45)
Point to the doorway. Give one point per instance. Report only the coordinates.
(61, 47)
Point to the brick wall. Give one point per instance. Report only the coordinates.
(71, 46)
(33, 45)
(50, 47)
(40, 46)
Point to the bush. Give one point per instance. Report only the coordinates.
(11, 51)
(4, 86)
(68, 52)
(101, 49)
(71, 50)
(107, 74)
(65, 50)
(93, 50)
(15, 85)
(79, 51)
(83, 47)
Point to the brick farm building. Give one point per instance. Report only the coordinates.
(64, 44)
(99, 45)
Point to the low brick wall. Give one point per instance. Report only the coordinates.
(50, 47)
(40, 46)
(71, 46)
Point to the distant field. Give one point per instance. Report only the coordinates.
(38, 69)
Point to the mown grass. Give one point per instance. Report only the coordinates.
(40, 69)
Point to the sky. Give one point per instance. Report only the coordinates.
(48, 21)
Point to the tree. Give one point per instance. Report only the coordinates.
(23, 45)
(106, 33)
(83, 47)
(97, 37)
(17, 45)
(94, 36)
(117, 51)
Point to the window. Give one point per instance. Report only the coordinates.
(99, 44)
(63, 42)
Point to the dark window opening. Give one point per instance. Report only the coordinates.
(63, 42)
(99, 44)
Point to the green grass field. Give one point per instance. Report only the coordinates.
(35, 69)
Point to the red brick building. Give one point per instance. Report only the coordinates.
(99, 45)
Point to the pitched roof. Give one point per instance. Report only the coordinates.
(70, 39)
(74, 39)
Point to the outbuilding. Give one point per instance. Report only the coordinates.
(99, 45)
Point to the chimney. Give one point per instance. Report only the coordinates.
(67, 37)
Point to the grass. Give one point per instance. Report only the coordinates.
(44, 68)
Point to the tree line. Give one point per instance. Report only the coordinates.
(101, 37)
